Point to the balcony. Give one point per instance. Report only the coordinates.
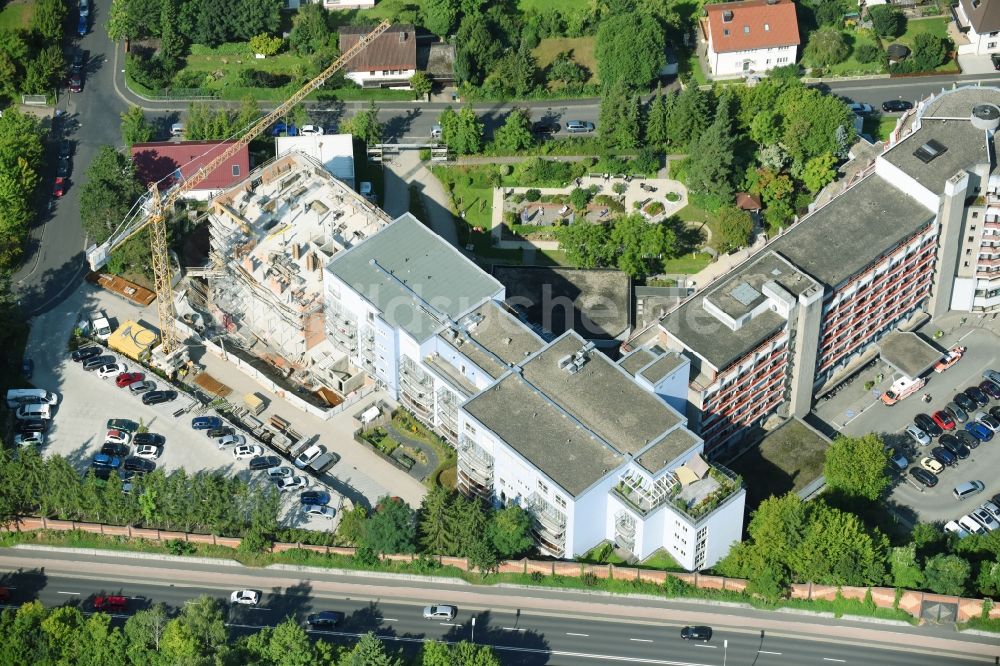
(546, 516)
(471, 485)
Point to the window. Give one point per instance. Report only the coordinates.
(975, 214)
(469, 428)
(782, 60)
(767, 62)
(236, 169)
(560, 501)
(542, 488)
(725, 32)
(372, 73)
(965, 264)
(385, 72)
(767, 28)
(746, 30)
(991, 45)
(971, 238)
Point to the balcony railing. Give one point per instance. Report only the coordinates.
(473, 486)
(546, 515)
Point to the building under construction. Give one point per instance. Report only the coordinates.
(271, 237)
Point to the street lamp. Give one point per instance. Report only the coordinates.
(474, 631)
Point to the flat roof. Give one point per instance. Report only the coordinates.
(498, 339)
(665, 451)
(533, 426)
(965, 147)
(408, 272)
(908, 353)
(600, 395)
(744, 291)
(334, 151)
(637, 360)
(662, 367)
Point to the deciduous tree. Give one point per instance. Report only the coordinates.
(630, 49)
(515, 133)
(887, 21)
(135, 127)
(462, 131)
(421, 84)
(365, 125)
(856, 466)
(510, 532)
(441, 16)
(947, 574)
(826, 47)
(392, 528)
(736, 226)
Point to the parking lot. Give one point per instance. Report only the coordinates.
(855, 411)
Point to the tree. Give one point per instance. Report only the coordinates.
(440, 16)
(510, 532)
(196, 633)
(144, 631)
(630, 49)
(586, 244)
(462, 131)
(929, 51)
(135, 127)
(106, 198)
(121, 23)
(42, 73)
(392, 528)
(310, 29)
(946, 574)
(689, 118)
(265, 44)
(904, 569)
(421, 84)
(353, 525)
(811, 122)
(658, 118)
(826, 47)
(988, 581)
(254, 17)
(819, 171)
(477, 49)
(712, 163)
(435, 653)
(47, 20)
(868, 52)
(736, 226)
(887, 21)
(564, 68)
(856, 466)
(513, 74)
(287, 644)
(364, 125)
(468, 654)
(436, 522)
(515, 133)
(369, 651)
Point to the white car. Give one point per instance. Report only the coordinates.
(313, 510)
(147, 451)
(291, 483)
(111, 370)
(983, 517)
(117, 437)
(992, 509)
(951, 527)
(310, 454)
(931, 465)
(29, 438)
(245, 597)
(247, 451)
(971, 526)
(311, 130)
(230, 440)
(918, 435)
(440, 612)
(280, 472)
(987, 420)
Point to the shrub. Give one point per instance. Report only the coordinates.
(618, 188)
(533, 195)
(425, 154)
(256, 78)
(867, 53)
(827, 47)
(265, 44)
(887, 21)
(579, 197)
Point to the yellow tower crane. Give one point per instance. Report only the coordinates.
(153, 210)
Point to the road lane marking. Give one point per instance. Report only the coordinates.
(570, 633)
(389, 619)
(766, 652)
(513, 629)
(450, 624)
(706, 646)
(642, 640)
(832, 659)
(73, 593)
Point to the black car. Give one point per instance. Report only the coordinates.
(85, 353)
(156, 397)
(148, 438)
(995, 413)
(896, 106)
(975, 393)
(545, 127)
(264, 462)
(79, 62)
(31, 425)
(215, 433)
(65, 149)
(929, 479)
(990, 389)
(955, 445)
(102, 473)
(324, 619)
(927, 424)
(140, 465)
(996, 499)
(99, 362)
(967, 438)
(115, 450)
(944, 456)
(699, 633)
(63, 169)
(965, 402)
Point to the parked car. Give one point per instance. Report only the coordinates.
(147, 451)
(918, 435)
(264, 462)
(324, 462)
(987, 420)
(29, 438)
(85, 353)
(967, 489)
(992, 508)
(955, 445)
(59, 187)
(104, 460)
(79, 62)
(943, 420)
(115, 449)
(206, 422)
(995, 412)
(75, 83)
(141, 387)
(324, 619)
(321, 511)
(979, 431)
(696, 633)
(157, 397)
(899, 461)
(81, 26)
(990, 389)
(63, 168)
(150, 438)
(956, 412)
(26, 426)
(896, 106)
(952, 527)
(967, 438)
(128, 378)
(280, 472)
(925, 477)
(291, 483)
(65, 149)
(111, 370)
(978, 395)
(140, 465)
(436, 132)
(247, 451)
(316, 497)
(99, 362)
(311, 130)
(965, 402)
(440, 612)
(127, 425)
(281, 128)
(310, 454)
(927, 424)
(577, 126)
(216, 433)
(931, 465)
(245, 597)
(545, 127)
(944, 456)
(231, 440)
(860, 108)
(117, 437)
(971, 526)
(984, 518)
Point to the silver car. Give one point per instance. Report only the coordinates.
(440, 612)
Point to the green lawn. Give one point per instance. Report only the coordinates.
(661, 559)
(937, 26)
(689, 263)
(17, 14)
(853, 67)
(582, 49)
(695, 215)
(689, 63)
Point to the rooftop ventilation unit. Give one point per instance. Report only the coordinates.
(727, 16)
(929, 151)
(986, 117)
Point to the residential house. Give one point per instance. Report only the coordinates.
(388, 62)
(169, 163)
(751, 36)
(978, 23)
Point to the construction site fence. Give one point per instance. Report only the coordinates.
(909, 601)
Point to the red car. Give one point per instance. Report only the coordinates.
(129, 378)
(60, 187)
(112, 604)
(75, 83)
(944, 420)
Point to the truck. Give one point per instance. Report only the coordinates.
(100, 325)
(901, 389)
(17, 397)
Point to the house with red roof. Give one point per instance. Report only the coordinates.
(171, 162)
(751, 36)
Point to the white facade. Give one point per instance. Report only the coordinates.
(334, 151)
(737, 63)
(978, 43)
(393, 78)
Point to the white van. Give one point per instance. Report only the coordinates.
(35, 411)
(177, 129)
(17, 397)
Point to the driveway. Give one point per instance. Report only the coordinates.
(408, 169)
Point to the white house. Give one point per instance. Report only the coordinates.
(979, 23)
(334, 151)
(388, 62)
(751, 36)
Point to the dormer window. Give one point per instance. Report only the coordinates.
(767, 27)
(725, 32)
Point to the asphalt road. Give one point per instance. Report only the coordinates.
(521, 625)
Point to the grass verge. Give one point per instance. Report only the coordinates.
(581, 49)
